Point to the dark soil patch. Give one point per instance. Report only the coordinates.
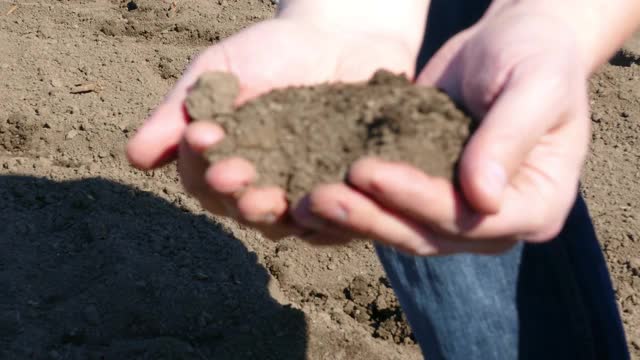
(17, 133)
(625, 58)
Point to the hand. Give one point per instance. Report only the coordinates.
(519, 72)
(272, 54)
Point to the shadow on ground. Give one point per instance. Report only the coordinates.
(93, 269)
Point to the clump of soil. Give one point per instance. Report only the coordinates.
(375, 304)
(299, 137)
(17, 132)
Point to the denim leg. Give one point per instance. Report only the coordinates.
(566, 302)
(459, 307)
(547, 301)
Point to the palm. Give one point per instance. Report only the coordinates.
(272, 54)
(519, 171)
(280, 53)
(530, 90)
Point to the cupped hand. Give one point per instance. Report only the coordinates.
(272, 54)
(521, 74)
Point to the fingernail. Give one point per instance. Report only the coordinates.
(339, 214)
(495, 179)
(425, 250)
(200, 138)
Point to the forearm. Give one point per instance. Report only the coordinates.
(600, 26)
(404, 19)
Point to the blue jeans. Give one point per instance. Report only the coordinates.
(548, 301)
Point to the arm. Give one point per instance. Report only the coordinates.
(600, 26)
(402, 19)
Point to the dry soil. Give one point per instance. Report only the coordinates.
(103, 261)
(301, 137)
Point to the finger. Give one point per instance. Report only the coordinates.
(408, 191)
(198, 137)
(266, 209)
(316, 230)
(191, 167)
(265, 205)
(441, 71)
(435, 202)
(342, 206)
(528, 106)
(156, 142)
(202, 135)
(231, 176)
(345, 208)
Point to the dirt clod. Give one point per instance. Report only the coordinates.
(375, 304)
(300, 137)
(17, 132)
(212, 96)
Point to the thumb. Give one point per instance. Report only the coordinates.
(442, 69)
(530, 104)
(156, 142)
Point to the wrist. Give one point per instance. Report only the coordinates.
(403, 21)
(599, 27)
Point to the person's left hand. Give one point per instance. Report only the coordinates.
(523, 76)
(308, 53)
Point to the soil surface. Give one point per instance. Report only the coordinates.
(300, 137)
(611, 181)
(103, 261)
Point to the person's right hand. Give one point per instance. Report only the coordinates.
(272, 54)
(523, 74)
